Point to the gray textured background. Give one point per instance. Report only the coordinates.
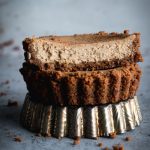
(19, 19)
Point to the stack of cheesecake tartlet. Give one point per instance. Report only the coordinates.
(82, 85)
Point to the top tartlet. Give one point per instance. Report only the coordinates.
(83, 51)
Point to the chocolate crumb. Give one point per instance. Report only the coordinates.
(2, 94)
(76, 141)
(5, 82)
(6, 43)
(106, 148)
(113, 135)
(121, 147)
(12, 103)
(126, 32)
(128, 138)
(17, 139)
(115, 147)
(100, 144)
(118, 147)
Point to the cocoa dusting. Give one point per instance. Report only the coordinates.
(76, 141)
(12, 103)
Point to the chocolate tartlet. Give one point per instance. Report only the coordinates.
(83, 52)
(82, 87)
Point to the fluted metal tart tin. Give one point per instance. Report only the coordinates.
(73, 121)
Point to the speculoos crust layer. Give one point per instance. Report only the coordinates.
(84, 66)
(82, 87)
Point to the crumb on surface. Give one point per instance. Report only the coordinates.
(115, 147)
(106, 148)
(126, 32)
(17, 139)
(76, 141)
(6, 43)
(100, 144)
(113, 135)
(121, 147)
(5, 82)
(12, 103)
(2, 94)
(128, 138)
(118, 147)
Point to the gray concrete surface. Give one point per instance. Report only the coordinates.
(19, 19)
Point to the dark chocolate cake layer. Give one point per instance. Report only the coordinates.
(82, 87)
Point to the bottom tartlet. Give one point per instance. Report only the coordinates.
(73, 121)
(82, 87)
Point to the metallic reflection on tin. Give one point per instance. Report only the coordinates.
(139, 116)
(45, 120)
(60, 122)
(106, 121)
(75, 122)
(88, 121)
(130, 124)
(119, 118)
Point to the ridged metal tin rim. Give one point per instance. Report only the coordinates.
(88, 121)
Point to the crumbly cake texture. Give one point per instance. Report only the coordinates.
(84, 52)
(82, 87)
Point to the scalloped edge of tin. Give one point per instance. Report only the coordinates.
(73, 121)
